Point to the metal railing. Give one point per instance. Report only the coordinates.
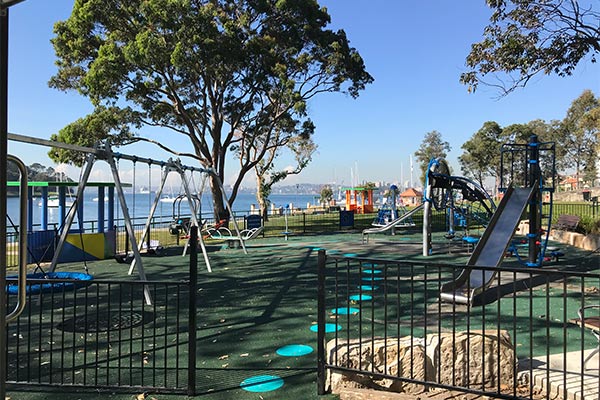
(103, 334)
(100, 335)
(382, 325)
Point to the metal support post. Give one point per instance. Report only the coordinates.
(534, 222)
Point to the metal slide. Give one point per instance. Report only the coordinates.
(392, 224)
(491, 248)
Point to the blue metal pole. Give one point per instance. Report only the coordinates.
(111, 207)
(534, 222)
(80, 212)
(44, 208)
(61, 204)
(100, 209)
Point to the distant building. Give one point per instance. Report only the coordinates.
(568, 184)
(411, 197)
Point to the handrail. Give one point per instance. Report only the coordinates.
(22, 281)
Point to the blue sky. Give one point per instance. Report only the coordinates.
(414, 50)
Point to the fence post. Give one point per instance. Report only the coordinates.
(303, 222)
(321, 265)
(193, 290)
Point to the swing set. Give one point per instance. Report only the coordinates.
(104, 152)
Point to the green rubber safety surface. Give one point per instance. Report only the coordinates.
(252, 305)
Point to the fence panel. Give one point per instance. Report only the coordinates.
(101, 335)
(385, 327)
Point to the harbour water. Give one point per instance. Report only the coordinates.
(140, 208)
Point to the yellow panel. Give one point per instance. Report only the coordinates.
(93, 243)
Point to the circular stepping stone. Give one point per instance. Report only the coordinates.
(360, 297)
(294, 350)
(262, 383)
(345, 310)
(372, 271)
(328, 328)
(368, 287)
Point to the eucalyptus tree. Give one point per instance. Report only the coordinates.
(578, 136)
(529, 37)
(481, 153)
(302, 148)
(228, 75)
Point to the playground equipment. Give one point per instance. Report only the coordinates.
(403, 221)
(22, 278)
(103, 151)
(21, 288)
(442, 191)
(359, 200)
(181, 224)
(389, 210)
(524, 167)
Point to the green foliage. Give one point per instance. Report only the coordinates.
(577, 136)
(326, 194)
(481, 156)
(369, 185)
(36, 172)
(232, 75)
(104, 123)
(529, 37)
(589, 225)
(482, 152)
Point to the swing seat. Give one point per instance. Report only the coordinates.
(154, 248)
(232, 240)
(124, 258)
(57, 282)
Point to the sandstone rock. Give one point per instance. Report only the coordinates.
(473, 359)
(477, 359)
(395, 357)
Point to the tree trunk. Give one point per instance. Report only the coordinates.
(219, 210)
(263, 203)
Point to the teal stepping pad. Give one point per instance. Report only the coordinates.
(345, 310)
(328, 328)
(294, 350)
(360, 297)
(262, 383)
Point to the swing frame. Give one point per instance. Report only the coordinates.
(104, 152)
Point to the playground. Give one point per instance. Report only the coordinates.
(250, 307)
(232, 313)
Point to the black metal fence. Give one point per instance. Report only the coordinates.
(382, 325)
(102, 335)
(585, 210)
(117, 334)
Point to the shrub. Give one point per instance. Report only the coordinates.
(589, 225)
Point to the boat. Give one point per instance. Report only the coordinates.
(54, 203)
(96, 199)
(167, 198)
